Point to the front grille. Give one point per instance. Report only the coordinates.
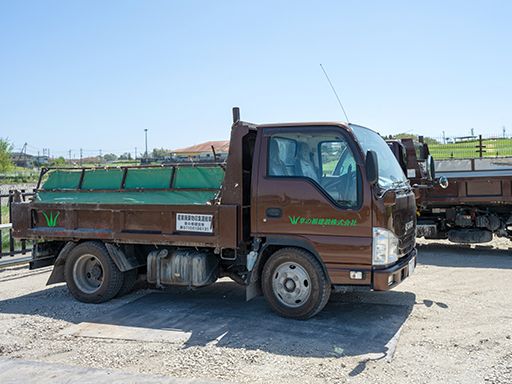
(406, 244)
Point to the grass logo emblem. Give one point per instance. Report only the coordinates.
(51, 221)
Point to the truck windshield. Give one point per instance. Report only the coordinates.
(390, 173)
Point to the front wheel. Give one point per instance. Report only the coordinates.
(91, 274)
(294, 283)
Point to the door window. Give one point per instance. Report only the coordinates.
(325, 159)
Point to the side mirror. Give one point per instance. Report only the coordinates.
(443, 182)
(372, 167)
(430, 168)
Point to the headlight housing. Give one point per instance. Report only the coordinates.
(385, 247)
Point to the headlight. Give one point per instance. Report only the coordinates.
(385, 247)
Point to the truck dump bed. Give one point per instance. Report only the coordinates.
(172, 204)
(486, 181)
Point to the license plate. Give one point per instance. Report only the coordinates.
(411, 266)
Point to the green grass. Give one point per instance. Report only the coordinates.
(5, 213)
(5, 233)
(328, 167)
(468, 149)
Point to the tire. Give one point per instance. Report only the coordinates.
(90, 273)
(295, 284)
(129, 280)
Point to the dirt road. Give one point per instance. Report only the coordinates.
(450, 323)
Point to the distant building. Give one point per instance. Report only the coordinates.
(22, 159)
(203, 151)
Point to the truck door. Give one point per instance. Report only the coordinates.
(311, 188)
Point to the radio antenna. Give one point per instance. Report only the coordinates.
(335, 93)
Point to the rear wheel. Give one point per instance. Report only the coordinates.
(90, 273)
(294, 283)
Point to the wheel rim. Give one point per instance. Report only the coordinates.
(291, 284)
(88, 273)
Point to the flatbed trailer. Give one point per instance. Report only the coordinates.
(296, 211)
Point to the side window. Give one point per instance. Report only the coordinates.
(339, 172)
(324, 158)
(331, 152)
(281, 156)
(337, 158)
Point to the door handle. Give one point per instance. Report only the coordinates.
(274, 212)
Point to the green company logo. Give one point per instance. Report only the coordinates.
(52, 220)
(321, 221)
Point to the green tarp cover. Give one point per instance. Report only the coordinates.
(148, 178)
(102, 179)
(63, 180)
(199, 177)
(187, 177)
(146, 197)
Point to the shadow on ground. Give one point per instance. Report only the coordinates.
(462, 256)
(351, 324)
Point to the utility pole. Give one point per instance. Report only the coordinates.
(472, 131)
(504, 132)
(146, 141)
(81, 153)
(444, 138)
(69, 153)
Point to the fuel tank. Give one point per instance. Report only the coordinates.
(185, 267)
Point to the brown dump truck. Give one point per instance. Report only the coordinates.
(467, 201)
(296, 211)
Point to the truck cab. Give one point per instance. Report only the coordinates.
(336, 191)
(301, 209)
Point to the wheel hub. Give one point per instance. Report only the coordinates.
(291, 284)
(88, 273)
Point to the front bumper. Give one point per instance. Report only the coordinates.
(398, 271)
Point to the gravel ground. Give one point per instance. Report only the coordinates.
(456, 328)
(5, 188)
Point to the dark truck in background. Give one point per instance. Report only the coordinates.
(465, 200)
(296, 211)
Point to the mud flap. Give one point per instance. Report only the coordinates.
(252, 290)
(124, 261)
(57, 275)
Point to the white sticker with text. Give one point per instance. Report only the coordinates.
(191, 222)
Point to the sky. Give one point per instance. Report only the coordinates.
(94, 74)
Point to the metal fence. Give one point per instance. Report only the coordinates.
(469, 147)
(11, 250)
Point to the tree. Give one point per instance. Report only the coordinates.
(5, 156)
(58, 162)
(125, 156)
(160, 153)
(110, 157)
(426, 139)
